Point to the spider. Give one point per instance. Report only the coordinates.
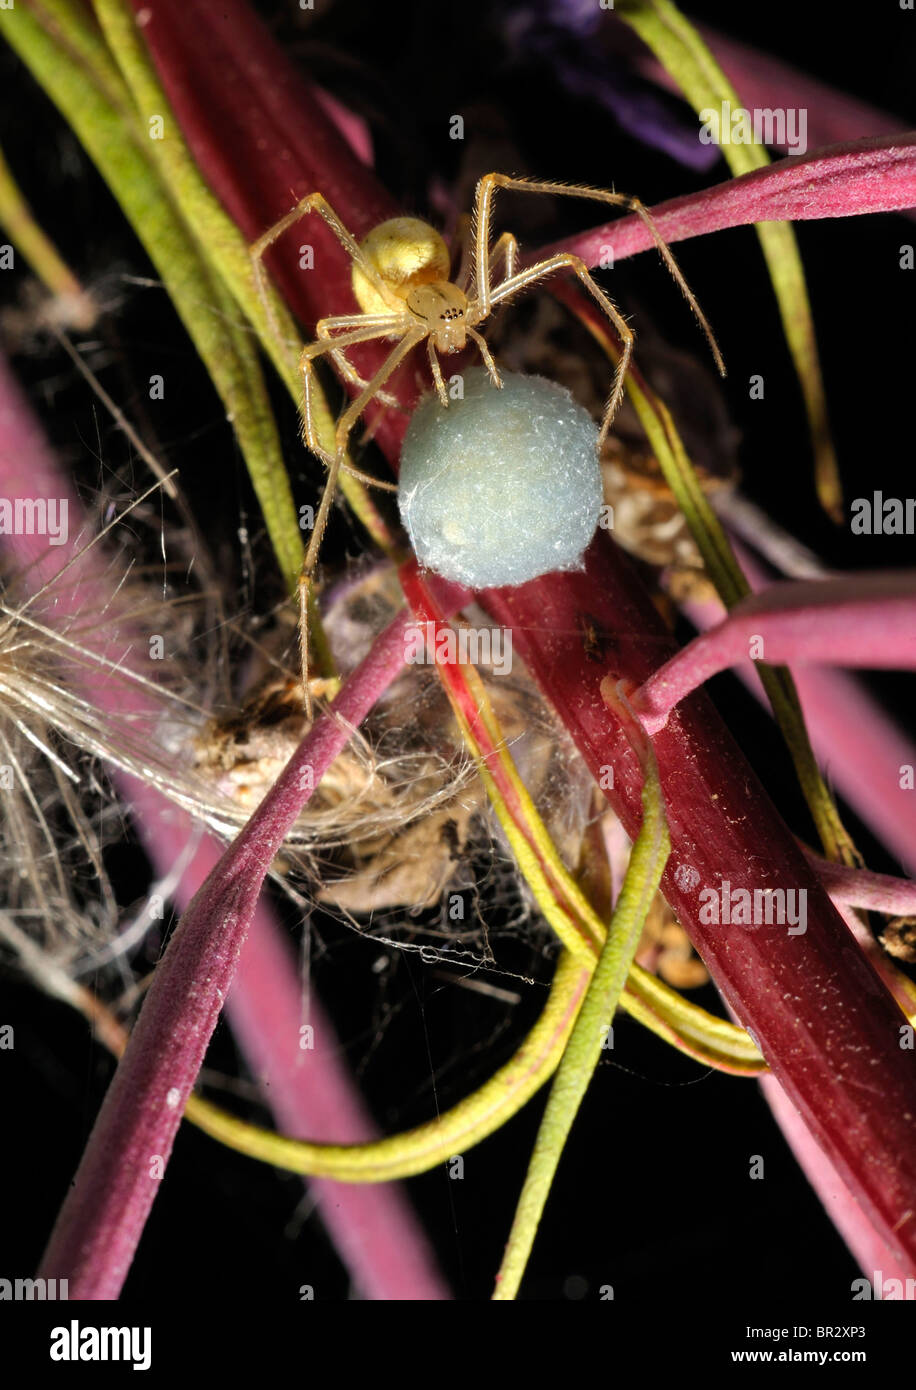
(401, 281)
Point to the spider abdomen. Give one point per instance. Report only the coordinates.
(406, 252)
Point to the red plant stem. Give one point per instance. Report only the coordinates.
(272, 154)
(864, 620)
(824, 1021)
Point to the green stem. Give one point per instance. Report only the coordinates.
(590, 1031)
(684, 55)
(223, 245)
(18, 220)
(69, 62)
(417, 1150)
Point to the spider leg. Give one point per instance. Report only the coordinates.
(325, 329)
(413, 335)
(486, 355)
(315, 202)
(382, 328)
(505, 249)
(346, 422)
(462, 241)
(367, 478)
(334, 347)
(436, 370)
(350, 374)
(564, 260)
(330, 325)
(486, 190)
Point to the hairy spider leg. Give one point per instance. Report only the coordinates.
(379, 326)
(352, 376)
(331, 340)
(505, 251)
(411, 338)
(326, 328)
(564, 260)
(314, 202)
(436, 369)
(486, 355)
(483, 212)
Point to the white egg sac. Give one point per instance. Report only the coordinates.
(503, 485)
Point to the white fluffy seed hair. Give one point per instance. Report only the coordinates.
(503, 485)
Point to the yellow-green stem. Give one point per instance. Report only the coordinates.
(590, 1031)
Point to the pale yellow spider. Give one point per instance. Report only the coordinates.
(401, 281)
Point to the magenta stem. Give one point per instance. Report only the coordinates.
(862, 620)
(862, 888)
(872, 175)
(311, 1094)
